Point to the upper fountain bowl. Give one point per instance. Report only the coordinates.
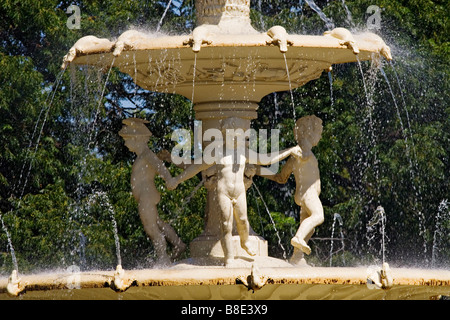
(226, 55)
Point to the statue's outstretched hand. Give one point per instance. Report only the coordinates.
(297, 152)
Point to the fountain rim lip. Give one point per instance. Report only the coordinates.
(366, 45)
(173, 276)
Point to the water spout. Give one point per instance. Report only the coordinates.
(379, 278)
(201, 35)
(120, 283)
(15, 286)
(345, 38)
(255, 280)
(86, 45)
(279, 38)
(193, 85)
(103, 197)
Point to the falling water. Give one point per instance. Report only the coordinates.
(271, 220)
(379, 216)
(47, 103)
(337, 217)
(349, 18)
(401, 93)
(412, 167)
(11, 248)
(277, 108)
(398, 115)
(259, 213)
(443, 214)
(261, 20)
(83, 241)
(290, 88)
(330, 78)
(408, 121)
(367, 100)
(75, 209)
(328, 22)
(193, 85)
(163, 16)
(332, 235)
(369, 89)
(380, 209)
(116, 233)
(91, 129)
(363, 79)
(103, 197)
(97, 111)
(52, 94)
(135, 76)
(413, 159)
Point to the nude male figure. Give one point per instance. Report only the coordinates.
(304, 166)
(145, 168)
(230, 186)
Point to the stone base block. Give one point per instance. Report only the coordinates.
(205, 246)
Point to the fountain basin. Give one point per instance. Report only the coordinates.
(217, 283)
(238, 67)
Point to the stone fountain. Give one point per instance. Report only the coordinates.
(225, 67)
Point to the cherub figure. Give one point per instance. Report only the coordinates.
(145, 167)
(230, 187)
(304, 166)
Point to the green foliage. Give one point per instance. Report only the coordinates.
(63, 166)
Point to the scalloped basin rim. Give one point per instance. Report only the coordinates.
(221, 283)
(227, 276)
(234, 67)
(368, 43)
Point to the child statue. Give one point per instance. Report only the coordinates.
(230, 186)
(145, 167)
(304, 166)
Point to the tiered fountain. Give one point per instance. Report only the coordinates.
(225, 67)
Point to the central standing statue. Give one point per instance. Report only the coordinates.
(230, 188)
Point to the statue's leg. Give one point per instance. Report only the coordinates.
(242, 225)
(312, 207)
(171, 236)
(226, 220)
(149, 215)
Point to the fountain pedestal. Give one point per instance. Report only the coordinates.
(210, 246)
